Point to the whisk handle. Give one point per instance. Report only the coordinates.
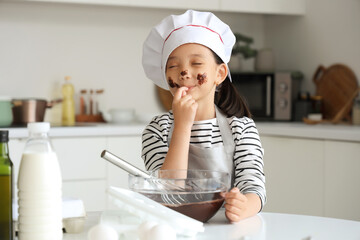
(123, 164)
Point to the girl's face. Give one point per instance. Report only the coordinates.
(193, 66)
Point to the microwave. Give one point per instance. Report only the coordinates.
(270, 96)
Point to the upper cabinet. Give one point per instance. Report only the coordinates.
(294, 7)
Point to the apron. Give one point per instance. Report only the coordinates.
(217, 158)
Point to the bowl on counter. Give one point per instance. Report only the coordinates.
(118, 115)
(195, 193)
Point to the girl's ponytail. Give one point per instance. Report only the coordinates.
(230, 101)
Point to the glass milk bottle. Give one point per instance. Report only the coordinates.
(6, 192)
(39, 187)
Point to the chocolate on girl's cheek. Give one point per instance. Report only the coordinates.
(173, 84)
(201, 78)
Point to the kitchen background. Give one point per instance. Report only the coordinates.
(100, 47)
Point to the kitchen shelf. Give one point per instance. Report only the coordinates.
(282, 7)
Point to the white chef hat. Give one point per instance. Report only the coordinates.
(191, 27)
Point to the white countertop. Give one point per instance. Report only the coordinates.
(319, 131)
(263, 226)
(284, 129)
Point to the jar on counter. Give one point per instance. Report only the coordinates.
(356, 112)
(316, 112)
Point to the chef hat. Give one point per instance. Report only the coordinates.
(191, 27)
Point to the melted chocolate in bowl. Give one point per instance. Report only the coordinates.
(200, 206)
(201, 211)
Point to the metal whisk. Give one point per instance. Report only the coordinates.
(158, 182)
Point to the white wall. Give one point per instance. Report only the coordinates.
(329, 33)
(99, 46)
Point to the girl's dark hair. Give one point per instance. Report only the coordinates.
(228, 99)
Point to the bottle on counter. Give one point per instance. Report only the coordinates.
(83, 102)
(98, 101)
(91, 102)
(6, 188)
(39, 187)
(68, 104)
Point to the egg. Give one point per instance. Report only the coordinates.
(144, 228)
(102, 232)
(161, 232)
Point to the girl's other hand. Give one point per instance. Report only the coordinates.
(236, 205)
(184, 108)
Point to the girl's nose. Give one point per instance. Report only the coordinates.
(184, 74)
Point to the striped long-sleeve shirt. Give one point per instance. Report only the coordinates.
(248, 154)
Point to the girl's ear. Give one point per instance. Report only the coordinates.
(221, 73)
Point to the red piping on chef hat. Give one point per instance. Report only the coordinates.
(173, 31)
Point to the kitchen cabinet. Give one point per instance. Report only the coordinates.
(83, 171)
(342, 175)
(296, 7)
(294, 175)
(85, 174)
(312, 177)
(79, 158)
(129, 149)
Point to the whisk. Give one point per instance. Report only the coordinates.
(160, 184)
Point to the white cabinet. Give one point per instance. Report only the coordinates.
(312, 177)
(82, 169)
(342, 174)
(79, 158)
(294, 7)
(92, 192)
(294, 175)
(178, 4)
(129, 149)
(85, 174)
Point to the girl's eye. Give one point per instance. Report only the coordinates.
(172, 66)
(197, 63)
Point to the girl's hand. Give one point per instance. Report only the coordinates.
(236, 205)
(184, 108)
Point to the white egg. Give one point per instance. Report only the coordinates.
(144, 228)
(161, 232)
(102, 232)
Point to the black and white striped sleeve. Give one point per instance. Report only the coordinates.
(154, 142)
(248, 158)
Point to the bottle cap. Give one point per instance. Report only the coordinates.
(38, 127)
(4, 136)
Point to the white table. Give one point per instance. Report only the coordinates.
(263, 226)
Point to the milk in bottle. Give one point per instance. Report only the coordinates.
(39, 187)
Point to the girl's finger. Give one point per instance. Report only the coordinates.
(232, 217)
(180, 93)
(234, 201)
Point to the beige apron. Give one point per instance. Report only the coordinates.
(219, 158)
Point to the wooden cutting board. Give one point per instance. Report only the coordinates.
(336, 84)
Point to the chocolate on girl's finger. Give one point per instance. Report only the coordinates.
(202, 78)
(173, 84)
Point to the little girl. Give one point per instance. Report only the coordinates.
(209, 126)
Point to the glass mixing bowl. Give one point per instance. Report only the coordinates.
(194, 193)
